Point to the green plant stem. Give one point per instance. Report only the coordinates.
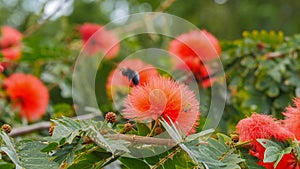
(153, 128)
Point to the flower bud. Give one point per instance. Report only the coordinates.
(127, 127)
(111, 117)
(6, 128)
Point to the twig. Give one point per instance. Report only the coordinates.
(131, 138)
(143, 139)
(35, 27)
(45, 125)
(272, 55)
(165, 5)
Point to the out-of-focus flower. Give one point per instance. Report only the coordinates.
(261, 126)
(96, 38)
(195, 48)
(162, 97)
(28, 95)
(10, 43)
(117, 83)
(1, 68)
(198, 69)
(292, 118)
(196, 44)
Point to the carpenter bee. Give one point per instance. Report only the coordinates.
(131, 75)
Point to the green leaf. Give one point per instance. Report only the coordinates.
(50, 147)
(268, 143)
(273, 90)
(297, 91)
(133, 163)
(271, 154)
(216, 154)
(31, 156)
(198, 135)
(6, 165)
(66, 152)
(143, 129)
(275, 74)
(9, 149)
(89, 160)
(274, 151)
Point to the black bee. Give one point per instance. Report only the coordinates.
(131, 75)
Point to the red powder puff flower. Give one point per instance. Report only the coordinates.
(96, 38)
(162, 97)
(261, 126)
(292, 118)
(118, 83)
(196, 44)
(10, 43)
(27, 94)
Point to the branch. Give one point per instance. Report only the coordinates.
(143, 139)
(272, 55)
(165, 5)
(45, 125)
(35, 27)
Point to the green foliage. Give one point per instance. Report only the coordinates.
(25, 154)
(274, 151)
(263, 72)
(216, 154)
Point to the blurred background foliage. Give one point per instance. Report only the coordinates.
(226, 19)
(52, 43)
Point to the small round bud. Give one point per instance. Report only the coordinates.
(111, 117)
(158, 130)
(6, 128)
(260, 45)
(51, 130)
(127, 127)
(87, 140)
(234, 137)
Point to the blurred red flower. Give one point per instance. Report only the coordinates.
(117, 82)
(199, 70)
(1, 68)
(196, 44)
(162, 97)
(10, 43)
(292, 118)
(28, 95)
(195, 48)
(96, 38)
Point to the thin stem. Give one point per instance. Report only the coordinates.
(45, 125)
(142, 139)
(153, 128)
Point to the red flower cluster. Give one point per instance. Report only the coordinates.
(96, 38)
(263, 126)
(10, 43)
(292, 118)
(28, 95)
(117, 82)
(195, 48)
(162, 97)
